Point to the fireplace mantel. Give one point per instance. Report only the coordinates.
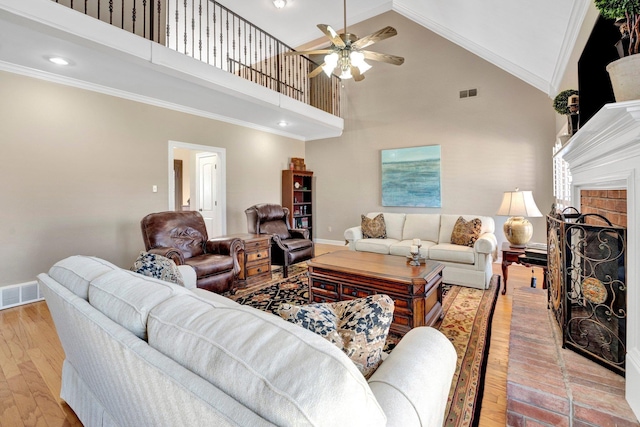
(605, 154)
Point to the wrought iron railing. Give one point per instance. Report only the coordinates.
(211, 33)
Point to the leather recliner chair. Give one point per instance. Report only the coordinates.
(182, 237)
(288, 245)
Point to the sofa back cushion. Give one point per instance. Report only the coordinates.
(288, 375)
(421, 226)
(394, 223)
(76, 272)
(447, 222)
(127, 297)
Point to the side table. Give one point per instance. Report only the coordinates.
(511, 255)
(255, 260)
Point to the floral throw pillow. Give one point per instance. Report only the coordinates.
(373, 228)
(465, 232)
(159, 267)
(358, 327)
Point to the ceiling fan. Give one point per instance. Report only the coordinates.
(346, 54)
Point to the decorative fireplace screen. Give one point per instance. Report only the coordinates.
(587, 285)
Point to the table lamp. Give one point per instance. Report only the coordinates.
(517, 205)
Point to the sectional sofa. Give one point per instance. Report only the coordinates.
(464, 265)
(145, 352)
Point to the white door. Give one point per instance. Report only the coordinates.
(207, 188)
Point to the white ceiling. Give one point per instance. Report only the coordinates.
(530, 39)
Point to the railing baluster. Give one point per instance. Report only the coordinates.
(231, 43)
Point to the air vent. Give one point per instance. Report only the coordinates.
(15, 295)
(468, 93)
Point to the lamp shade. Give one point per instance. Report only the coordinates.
(518, 203)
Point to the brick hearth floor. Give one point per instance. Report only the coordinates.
(551, 386)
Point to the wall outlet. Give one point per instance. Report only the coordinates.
(330, 228)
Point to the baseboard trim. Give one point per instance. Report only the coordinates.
(330, 242)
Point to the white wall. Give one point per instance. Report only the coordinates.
(78, 170)
(495, 142)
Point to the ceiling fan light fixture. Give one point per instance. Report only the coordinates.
(363, 67)
(346, 74)
(356, 57)
(330, 62)
(279, 4)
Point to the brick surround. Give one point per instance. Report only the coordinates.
(551, 386)
(611, 204)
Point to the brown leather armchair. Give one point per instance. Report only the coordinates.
(182, 237)
(288, 245)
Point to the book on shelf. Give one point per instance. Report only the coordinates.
(536, 246)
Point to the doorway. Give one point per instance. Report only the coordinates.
(204, 183)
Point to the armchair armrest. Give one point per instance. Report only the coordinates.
(487, 244)
(226, 246)
(412, 384)
(299, 233)
(172, 253)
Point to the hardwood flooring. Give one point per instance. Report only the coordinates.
(31, 361)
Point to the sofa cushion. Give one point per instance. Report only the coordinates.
(157, 266)
(421, 226)
(394, 222)
(76, 272)
(373, 228)
(447, 222)
(379, 246)
(402, 248)
(358, 327)
(251, 355)
(465, 232)
(126, 298)
(448, 252)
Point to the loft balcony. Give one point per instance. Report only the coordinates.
(209, 61)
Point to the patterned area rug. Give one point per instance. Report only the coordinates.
(467, 323)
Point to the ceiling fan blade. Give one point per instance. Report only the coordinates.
(355, 73)
(308, 52)
(382, 34)
(316, 71)
(333, 36)
(383, 57)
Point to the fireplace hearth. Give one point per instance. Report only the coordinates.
(587, 285)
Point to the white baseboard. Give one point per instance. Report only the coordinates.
(330, 242)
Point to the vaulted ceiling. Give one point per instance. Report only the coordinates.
(529, 39)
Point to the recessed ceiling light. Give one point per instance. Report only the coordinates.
(279, 4)
(59, 61)
(282, 123)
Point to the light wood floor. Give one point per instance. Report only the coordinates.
(31, 359)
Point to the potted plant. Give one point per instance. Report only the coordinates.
(627, 16)
(625, 72)
(566, 104)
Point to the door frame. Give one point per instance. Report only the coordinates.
(221, 176)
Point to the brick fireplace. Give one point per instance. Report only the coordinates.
(604, 161)
(611, 204)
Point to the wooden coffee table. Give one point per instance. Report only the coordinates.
(416, 291)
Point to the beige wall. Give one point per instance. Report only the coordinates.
(78, 168)
(492, 143)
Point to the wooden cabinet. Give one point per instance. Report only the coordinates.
(297, 195)
(255, 260)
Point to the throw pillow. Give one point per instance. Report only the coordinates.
(373, 228)
(159, 267)
(465, 232)
(358, 327)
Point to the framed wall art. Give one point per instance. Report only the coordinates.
(411, 177)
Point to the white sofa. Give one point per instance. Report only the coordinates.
(465, 266)
(143, 352)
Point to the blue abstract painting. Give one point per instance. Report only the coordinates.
(411, 177)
